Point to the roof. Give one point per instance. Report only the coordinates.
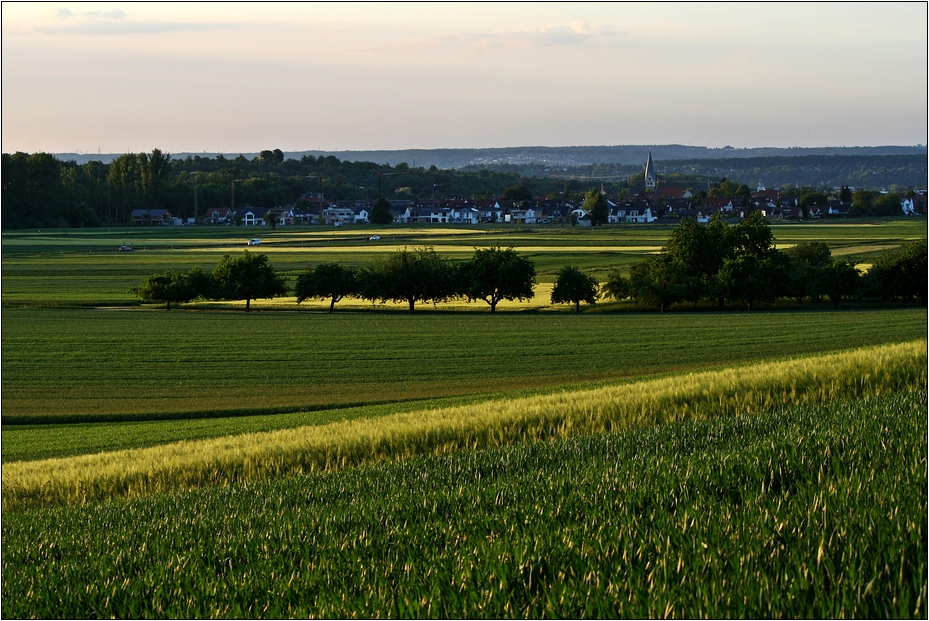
(151, 213)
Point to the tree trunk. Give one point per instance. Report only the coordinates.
(248, 304)
(168, 307)
(412, 302)
(332, 305)
(578, 306)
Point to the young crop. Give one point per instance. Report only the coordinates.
(806, 512)
(91, 365)
(250, 457)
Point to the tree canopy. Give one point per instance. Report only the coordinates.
(495, 274)
(411, 276)
(328, 280)
(380, 213)
(573, 287)
(173, 286)
(596, 207)
(247, 277)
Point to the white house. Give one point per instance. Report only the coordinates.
(465, 215)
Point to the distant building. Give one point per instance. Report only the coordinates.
(651, 181)
(150, 216)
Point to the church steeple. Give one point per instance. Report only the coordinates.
(651, 182)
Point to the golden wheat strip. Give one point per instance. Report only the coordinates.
(813, 379)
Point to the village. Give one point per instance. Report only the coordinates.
(658, 202)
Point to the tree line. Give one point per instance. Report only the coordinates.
(721, 264)
(894, 172)
(715, 262)
(39, 191)
(407, 276)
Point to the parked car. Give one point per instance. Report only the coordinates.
(125, 249)
(254, 242)
(374, 238)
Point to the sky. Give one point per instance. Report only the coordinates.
(242, 77)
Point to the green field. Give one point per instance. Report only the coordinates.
(84, 267)
(452, 463)
(803, 512)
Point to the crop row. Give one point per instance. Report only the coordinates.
(249, 457)
(72, 365)
(808, 512)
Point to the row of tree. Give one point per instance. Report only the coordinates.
(410, 276)
(407, 276)
(720, 263)
(714, 262)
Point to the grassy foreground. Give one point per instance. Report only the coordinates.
(251, 457)
(806, 512)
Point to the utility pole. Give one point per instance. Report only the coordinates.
(319, 195)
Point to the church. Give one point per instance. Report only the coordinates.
(651, 181)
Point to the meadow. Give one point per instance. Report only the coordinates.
(205, 462)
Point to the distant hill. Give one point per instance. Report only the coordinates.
(549, 156)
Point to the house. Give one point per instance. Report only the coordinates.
(489, 211)
(466, 214)
(913, 205)
(305, 215)
(150, 216)
(583, 218)
(334, 214)
(430, 214)
(285, 215)
(721, 204)
(529, 215)
(632, 211)
(217, 215)
(250, 216)
(838, 208)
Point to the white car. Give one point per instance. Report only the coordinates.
(374, 238)
(254, 242)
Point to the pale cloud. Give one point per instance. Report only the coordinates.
(115, 22)
(573, 33)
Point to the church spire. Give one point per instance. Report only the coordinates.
(651, 181)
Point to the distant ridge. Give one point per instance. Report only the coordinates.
(553, 156)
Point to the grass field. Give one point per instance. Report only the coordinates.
(809, 512)
(212, 463)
